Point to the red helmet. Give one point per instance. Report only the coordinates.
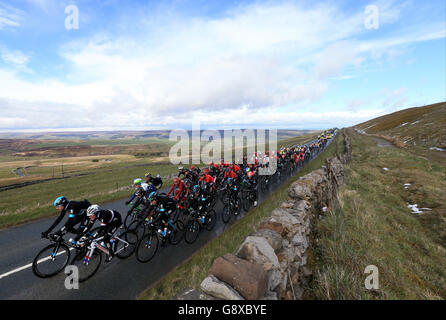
(192, 167)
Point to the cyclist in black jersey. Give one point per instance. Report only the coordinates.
(76, 215)
(110, 221)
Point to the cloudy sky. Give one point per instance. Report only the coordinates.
(225, 64)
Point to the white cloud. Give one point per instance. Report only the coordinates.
(10, 17)
(239, 68)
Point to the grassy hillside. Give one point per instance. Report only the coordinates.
(375, 226)
(422, 127)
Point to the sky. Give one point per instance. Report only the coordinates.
(142, 65)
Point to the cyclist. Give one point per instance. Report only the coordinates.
(157, 181)
(177, 188)
(110, 222)
(138, 184)
(164, 206)
(194, 174)
(76, 214)
(140, 199)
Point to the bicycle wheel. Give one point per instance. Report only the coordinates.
(177, 233)
(87, 268)
(192, 231)
(139, 227)
(214, 200)
(247, 201)
(147, 247)
(129, 219)
(51, 260)
(225, 197)
(211, 219)
(124, 250)
(226, 213)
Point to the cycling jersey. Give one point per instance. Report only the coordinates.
(75, 215)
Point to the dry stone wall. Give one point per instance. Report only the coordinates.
(271, 263)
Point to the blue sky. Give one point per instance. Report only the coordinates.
(262, 64)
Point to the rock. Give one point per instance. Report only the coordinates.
(248, 279)
(284, 217)
(273, 237)
(290, 204)
(298, 292)
(211, 285)
(288, 255)
(306, 271)
(257, 250)
(282, 288)
(301, 206)
(192, 294)
(270, 296)
(300, 190)
(275, 226)
(300, 241)
(275, 278)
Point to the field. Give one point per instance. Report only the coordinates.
(374, 225)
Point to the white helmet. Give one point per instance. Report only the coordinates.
(93, 210)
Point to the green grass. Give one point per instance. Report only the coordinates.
(373, 226)
(100, 185)
(192, 271)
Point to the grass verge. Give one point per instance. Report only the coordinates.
(374, 226)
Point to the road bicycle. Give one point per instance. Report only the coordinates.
(89, 258)
(132, 216)
(53, 258)
(202, 218)
(248, 194)
(232, 208)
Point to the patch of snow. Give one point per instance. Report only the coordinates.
(370, 126)
(407, 185)
(437, 149)
(426, 209)
(402, 125)
(414, 208)
(415, 122)
(386, 169)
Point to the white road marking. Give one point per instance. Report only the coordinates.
(28, 265)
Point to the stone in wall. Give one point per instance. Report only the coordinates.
(248, 279)
(216, 288)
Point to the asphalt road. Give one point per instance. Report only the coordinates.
(119, 279)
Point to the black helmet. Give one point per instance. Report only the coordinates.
(140, 191)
